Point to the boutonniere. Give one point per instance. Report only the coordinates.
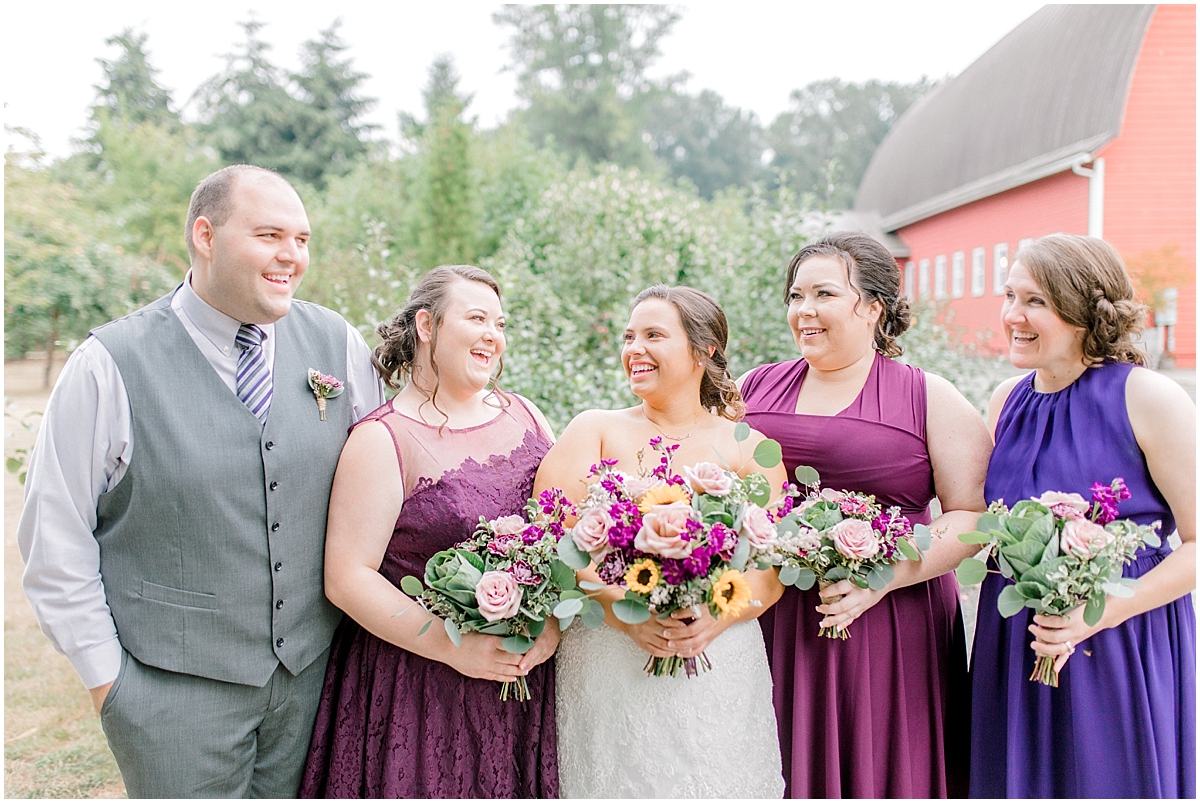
(324, 387)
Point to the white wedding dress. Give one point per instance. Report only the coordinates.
(623, 733)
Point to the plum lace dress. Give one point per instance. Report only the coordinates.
(393, 724)
(623, 733)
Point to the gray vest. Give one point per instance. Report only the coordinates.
(212, 545)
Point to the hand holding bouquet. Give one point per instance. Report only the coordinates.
(839, 535)
(504, 581)
(1060, 551)
(672, 541)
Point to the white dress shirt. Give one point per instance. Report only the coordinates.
(88, 415)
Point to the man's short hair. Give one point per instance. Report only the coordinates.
(213, 198)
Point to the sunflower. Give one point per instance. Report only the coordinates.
(642, 576)
(663, 495)
(731, 593)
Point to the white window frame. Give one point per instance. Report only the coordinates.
(999, 268)
(939, 277)
(958, 271)
(923, 279)
(978, 271)
(910, 279)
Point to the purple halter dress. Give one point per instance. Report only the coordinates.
(883, 713)
(1122, 722)
(392, 724)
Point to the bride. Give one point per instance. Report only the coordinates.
(621, 732)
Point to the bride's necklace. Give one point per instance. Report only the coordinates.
(698, 427)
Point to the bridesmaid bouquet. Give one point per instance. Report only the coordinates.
(503, 581)
(841, 535)
(672, 541)
(1061, 551)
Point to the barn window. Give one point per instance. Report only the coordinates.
(999, 268)
(923, 278)
(939, 276)
(958, 274)
(978, 271)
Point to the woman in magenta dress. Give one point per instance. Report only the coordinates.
(1122, 721)
(403, 713)
(884, 712)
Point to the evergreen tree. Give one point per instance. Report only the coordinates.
(581, 70)
(130, 93)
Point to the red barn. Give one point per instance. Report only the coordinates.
(1083, 121)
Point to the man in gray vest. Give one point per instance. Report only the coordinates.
(174, 522)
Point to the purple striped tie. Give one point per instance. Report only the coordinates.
(253, 376)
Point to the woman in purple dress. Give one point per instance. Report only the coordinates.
(404, 713)
(1122, 721)
(874, 715)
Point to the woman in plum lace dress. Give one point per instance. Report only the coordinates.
(404, 713)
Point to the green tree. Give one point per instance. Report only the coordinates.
(446, 190)
(581, 71)
(130, 92)
(702, 139)
(831, 132)
(59, 280)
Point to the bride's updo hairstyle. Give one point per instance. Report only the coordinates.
(874, 276)
(396, 354)
(706, 328)
(1087, 286)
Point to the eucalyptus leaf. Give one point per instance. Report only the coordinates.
(768, 453)
(1031, 590)
(879, 576)
(411, 585)
(572, 593)
(1010, 602)
(807, 476)
(1117, 590)
(591, 585)
(788, 575)
(631, 612)
(1152, 540)
(741, 554)
(837, 573)
(807, 579)
(922, 537)
(562, 574)
(568, 607)
(1094, 610)
(988, 522)
(517, 645)
(907, 549)
(975, 537)
(452, 632)
(424, 627)
(563, 624)
(593, 614)
(971, 572)
(741, 431)
(572, 555)
(536, 627)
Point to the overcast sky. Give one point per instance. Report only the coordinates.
(752, 53)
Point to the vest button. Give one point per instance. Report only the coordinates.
(278, 642)
(270, 445)
(274, 485)
(278, 604)
(274, 526)
(278, 566)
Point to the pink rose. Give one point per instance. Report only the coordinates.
(662, 531)
(508, 525)
(636, 487)
(1084, 539)
(498, 595)
(708, 478)
(590, 533)
(855, 539)
(1065, 506)
(757, 527)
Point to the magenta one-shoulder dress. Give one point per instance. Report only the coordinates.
(886, 712)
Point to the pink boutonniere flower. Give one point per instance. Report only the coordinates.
(324, 387)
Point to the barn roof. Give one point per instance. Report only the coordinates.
(1047, 95)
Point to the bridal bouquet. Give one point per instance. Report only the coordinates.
(503, 581)
(839, 535)
(672, 541)
(1061, 551)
